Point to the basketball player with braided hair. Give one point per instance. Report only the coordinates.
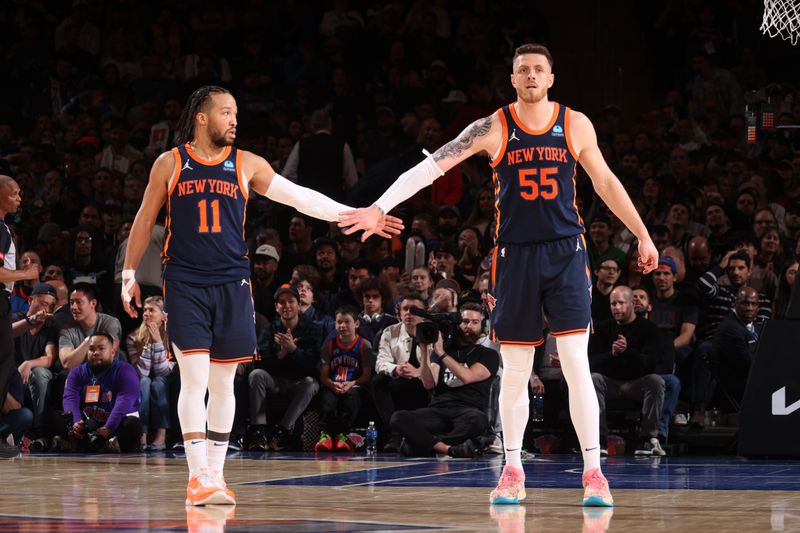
(539, 263)
(205, 182)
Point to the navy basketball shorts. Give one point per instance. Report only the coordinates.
(531, 281)
(214, 319)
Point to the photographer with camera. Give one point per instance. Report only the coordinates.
(102, 398)
(459, 371)
(397, 372)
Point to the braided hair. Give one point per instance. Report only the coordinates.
(199, 98)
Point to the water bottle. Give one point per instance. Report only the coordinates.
(537, 408)
(372, 439)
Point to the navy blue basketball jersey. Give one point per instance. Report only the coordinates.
(346, 362)
(534, 181)
(205, 219)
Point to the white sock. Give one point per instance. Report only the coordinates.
(221, 410)
(583, 406)
(194, 381)
(196, 455)
(517, 366)
(514, 458)
(216, 451)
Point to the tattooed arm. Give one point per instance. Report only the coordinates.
(482, 136)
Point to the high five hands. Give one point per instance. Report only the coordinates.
(372, 220)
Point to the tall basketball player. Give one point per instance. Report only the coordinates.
(205, 182)
(539, 261)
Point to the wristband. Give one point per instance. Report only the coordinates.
(29, 320)
(128, 281)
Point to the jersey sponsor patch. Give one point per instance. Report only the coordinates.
(557, 131)
(228, 166)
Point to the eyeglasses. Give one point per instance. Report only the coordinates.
(609, 269)
(83, 239)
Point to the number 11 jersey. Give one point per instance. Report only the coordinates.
(534, 181)
(205, 219)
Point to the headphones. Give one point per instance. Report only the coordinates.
(369, 319)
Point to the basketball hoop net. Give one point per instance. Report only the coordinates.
(782, 18)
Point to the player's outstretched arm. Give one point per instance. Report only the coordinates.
(609, 188)
(266, 182)
(155, 194)
(483, 135)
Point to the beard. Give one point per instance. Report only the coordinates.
(218, 138)
(532, 96)
(472, 337)
(100, 368)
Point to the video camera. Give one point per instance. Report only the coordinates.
(95, 442)
(444, 323)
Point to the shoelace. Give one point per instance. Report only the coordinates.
(205, 479)
(217, 478)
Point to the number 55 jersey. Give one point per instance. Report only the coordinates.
(534, 181)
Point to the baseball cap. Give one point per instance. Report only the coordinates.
(269, 251)
(44, 288)
(455, 96)
(322, 241)
(286, 288)
(667, 263)
(601, 217)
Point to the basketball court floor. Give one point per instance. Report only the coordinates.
(301, 493)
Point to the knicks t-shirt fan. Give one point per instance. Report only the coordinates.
(534, 181)
(209, 198)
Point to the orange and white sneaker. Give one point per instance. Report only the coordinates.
(220, 480)
(208, 519)
(595, 490)
(208, 489)
(510, 489)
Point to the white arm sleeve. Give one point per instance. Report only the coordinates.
(305, 200)
(412, 180)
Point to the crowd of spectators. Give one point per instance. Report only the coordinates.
(342, 97)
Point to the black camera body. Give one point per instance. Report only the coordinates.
(95, 442)
(444, 323)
